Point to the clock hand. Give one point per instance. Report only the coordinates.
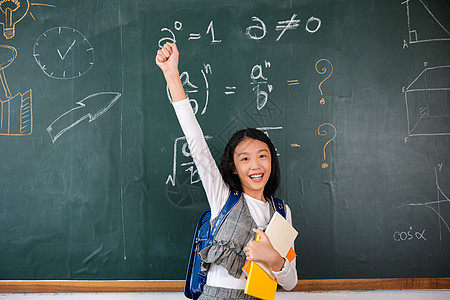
(64, 56)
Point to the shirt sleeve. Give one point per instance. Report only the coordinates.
(287, 277)
(215, 188)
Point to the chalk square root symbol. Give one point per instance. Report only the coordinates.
(427, 101)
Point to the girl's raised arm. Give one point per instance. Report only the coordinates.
(215, 188)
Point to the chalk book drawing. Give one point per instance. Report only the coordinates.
(16, 117)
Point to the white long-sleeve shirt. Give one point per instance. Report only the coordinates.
(217, 193)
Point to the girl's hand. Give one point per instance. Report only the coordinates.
(167, 59)
(263, 251)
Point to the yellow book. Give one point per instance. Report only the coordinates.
(259, 284)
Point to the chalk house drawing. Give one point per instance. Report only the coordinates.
(430, 29)
(16, 117)
(427, 101)
(441, 206)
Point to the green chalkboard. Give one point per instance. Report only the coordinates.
(97, 182)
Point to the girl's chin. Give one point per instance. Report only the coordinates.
(256, 186)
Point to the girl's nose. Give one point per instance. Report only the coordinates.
(255, 164)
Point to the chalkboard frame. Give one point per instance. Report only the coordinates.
(175, 286)
(351, 249)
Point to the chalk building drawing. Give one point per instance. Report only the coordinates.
(427, 101)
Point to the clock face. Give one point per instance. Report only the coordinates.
(63, 53)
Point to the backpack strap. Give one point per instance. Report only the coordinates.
(279, 206)
(232, 200)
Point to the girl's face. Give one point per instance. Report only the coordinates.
(253, 164)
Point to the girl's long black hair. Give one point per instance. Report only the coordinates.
(226, 166)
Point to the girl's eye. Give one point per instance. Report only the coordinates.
(262, 156)
(244, 159)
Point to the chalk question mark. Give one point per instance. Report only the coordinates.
(324, 133)
(321, 72)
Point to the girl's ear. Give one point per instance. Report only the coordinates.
(233, 168)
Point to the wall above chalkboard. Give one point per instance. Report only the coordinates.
(98, 182)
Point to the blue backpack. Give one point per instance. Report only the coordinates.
(203, 237)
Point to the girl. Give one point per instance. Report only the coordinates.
(249, 165)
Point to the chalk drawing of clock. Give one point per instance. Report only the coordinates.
(63, 53)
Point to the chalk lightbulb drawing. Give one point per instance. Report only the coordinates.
(12, 12)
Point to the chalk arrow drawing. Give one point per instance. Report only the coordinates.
(90, 107)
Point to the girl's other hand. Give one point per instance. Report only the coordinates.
(263, 251)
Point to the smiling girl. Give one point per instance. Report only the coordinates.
(249, 165)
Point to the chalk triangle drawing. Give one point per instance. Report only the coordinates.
(423, 25)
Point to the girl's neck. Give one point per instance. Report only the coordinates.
(256, 195)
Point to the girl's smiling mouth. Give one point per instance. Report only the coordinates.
(257, 177)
